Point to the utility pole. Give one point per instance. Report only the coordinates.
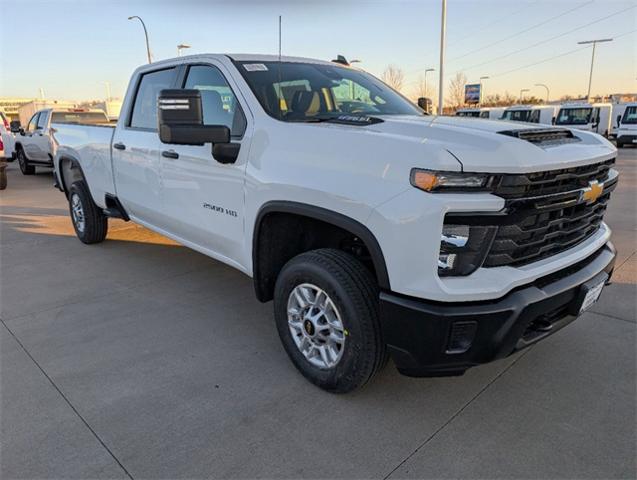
(590, 78)
(108, 91)
(547, 90)
(150, 57)
(441, 71)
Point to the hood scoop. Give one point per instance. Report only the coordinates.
(543, 136)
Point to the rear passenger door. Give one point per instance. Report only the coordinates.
(136, 149)
(204, 199)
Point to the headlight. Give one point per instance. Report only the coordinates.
(463, 248)
(430, 181)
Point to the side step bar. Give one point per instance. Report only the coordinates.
(114, 209)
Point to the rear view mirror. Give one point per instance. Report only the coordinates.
(181, 120)
(15, 126)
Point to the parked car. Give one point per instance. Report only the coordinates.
(446, 242)
(627, 130)
(592, 117)
(7, 141)
(34, 146)
(492, 113)
(544, 114)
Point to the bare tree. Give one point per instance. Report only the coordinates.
(456, 90)
(394, 77)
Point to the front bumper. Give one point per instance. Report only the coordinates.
(626, 139)
(437, 338)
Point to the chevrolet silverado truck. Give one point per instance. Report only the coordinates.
(34, 145)
(376, 230)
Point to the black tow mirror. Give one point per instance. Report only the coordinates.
(15, 126)
(425, 104)
(619, 120)
(181, 120)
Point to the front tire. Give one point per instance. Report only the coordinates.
(327, 315)
(25, 168)
(90, 224)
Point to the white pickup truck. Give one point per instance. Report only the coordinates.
(376, 229)
(34, 146)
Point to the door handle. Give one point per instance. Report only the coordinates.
(170, 154)
(119, 146)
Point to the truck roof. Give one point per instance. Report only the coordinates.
(243, 57)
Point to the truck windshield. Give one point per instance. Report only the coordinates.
(630, 116)
(91, 118)
(298, 92)
(574, 116)
(517, 115)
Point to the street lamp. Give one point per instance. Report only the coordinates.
(150, 60)
(108, 90)
(428, 70)
(180, 47)
(594, 42)
(441, 72)
(547, 90)
(521, 92)
(481, 78)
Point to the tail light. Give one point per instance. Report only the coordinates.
(1, 144)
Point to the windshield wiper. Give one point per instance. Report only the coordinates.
(343, 119)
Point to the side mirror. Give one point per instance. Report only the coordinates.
(553, 121)
(15, 126)
(181, 120)
(619, 120)
(425, 104)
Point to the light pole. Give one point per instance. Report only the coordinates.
(594, 42)
(441, 71)
(150, 59)
(181, 47)
(480, 99)
(521, 92)
(547, 90)
(426, 71)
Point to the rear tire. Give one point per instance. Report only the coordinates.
(327, 314)
(89, 222)
(25, 168)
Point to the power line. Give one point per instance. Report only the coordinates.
(546, 40)
(522, 31)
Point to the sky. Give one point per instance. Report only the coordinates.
(71, 47)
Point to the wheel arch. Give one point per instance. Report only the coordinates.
(264, 278)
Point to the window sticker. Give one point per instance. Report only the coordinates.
(255, 67)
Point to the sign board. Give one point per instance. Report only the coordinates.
(472, 94)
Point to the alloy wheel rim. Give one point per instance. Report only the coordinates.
(316, 326)
(78, 212)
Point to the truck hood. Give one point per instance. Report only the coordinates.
(479, 145)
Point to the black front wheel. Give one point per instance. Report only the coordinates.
(89, 221)
(327, 315)
(25, 168)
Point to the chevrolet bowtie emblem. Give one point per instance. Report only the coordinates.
(591, 193)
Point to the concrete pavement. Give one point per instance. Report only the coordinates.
(139, 358)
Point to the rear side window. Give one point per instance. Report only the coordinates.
(144, 113)
(218, 101)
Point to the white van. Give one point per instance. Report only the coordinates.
(543, 114)
(616, 118)
(591, 117)
(492, 113)
(627, 130)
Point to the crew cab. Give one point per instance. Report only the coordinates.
(34, 146)
(626, 133)
(376, 229)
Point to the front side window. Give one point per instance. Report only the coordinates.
(33, 123)
(300, 92)
(484, 114)
(42, 121)
(630, 116)
(534, 117)
(219, 104)
(574, 116)
(516, 115)
(144, 114)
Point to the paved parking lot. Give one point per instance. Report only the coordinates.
(139, 358)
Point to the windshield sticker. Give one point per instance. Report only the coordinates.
(255, 67)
